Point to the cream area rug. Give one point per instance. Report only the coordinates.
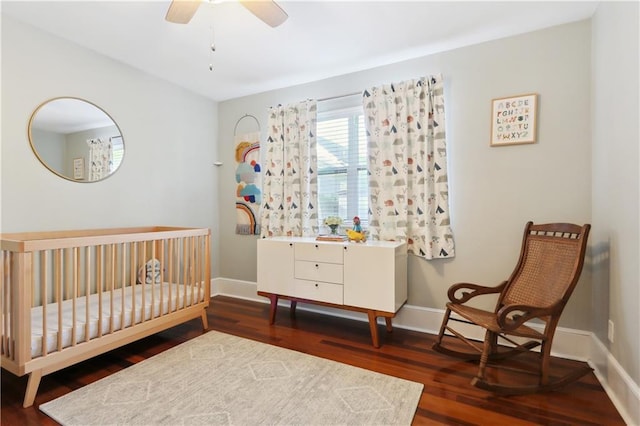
(219, 379)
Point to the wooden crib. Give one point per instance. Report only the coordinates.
(67, 296)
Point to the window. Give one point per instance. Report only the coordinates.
(342, 165)
(118, 152)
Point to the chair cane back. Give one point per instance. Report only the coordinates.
(548, 269)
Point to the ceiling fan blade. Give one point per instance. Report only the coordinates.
(267, 10)
(181, 11)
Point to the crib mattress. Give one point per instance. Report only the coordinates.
(162, 297)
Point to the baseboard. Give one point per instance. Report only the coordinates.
(235, 288)
(622, 390)
(568, 343)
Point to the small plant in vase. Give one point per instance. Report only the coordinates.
(333, 222)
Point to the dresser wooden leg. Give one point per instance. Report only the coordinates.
(373, 326)
(389, 326)
(273, 307)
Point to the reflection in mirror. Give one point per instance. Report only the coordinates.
(76, 139)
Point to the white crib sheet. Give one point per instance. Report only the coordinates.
(177, 299)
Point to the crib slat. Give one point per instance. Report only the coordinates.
(4, 291)
(207, 265)
(194, 269)
(99, 286)
(143, 307)
(198, 266)
(207, 268)
(69, 256)
(74, 305)
(161, 259)
(123, 276)
(153, 279)
(170, 274)
(181, 274)
(203, 266)
(132, 274)
(57, 274)
(185, 271)
(87, 291)
(44, 286)
(198, 278)
(12, 309)
(9, 307)
(192, 266)
(32, 284)
(21, 293)
(111, 265)
(2, 307)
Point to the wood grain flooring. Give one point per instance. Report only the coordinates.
(447, 399)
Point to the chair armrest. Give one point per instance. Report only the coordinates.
(474, 290)
(510, 317)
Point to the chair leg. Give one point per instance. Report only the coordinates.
(443, 327)
(492, 338)
(489, 347)
(545, 357)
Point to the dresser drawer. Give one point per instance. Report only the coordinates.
(318, 271)
(318, 291)
(319, 252)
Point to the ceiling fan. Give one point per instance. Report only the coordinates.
(181, 11)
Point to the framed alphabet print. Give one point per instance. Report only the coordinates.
(513, 120)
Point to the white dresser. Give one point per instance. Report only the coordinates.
(367, 277)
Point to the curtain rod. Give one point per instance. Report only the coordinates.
(339, 96)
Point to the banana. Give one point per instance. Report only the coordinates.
(355, 236)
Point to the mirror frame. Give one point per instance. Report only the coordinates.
(49, 167)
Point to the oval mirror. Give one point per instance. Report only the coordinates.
(76, 139)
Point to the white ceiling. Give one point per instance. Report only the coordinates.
(320, 39)
(69, 115)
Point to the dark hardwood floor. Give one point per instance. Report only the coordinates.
(448, 398)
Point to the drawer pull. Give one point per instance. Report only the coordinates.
(317, 266)
(316, 285)
(316, 246)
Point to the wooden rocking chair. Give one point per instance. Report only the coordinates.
(550, 264)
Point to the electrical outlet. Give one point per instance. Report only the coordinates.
(610, 331)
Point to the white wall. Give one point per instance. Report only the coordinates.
(170, 137)
(616, 183)
(494, 191)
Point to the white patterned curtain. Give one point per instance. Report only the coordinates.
(290, 180)
(100, 158)
(408, 188)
